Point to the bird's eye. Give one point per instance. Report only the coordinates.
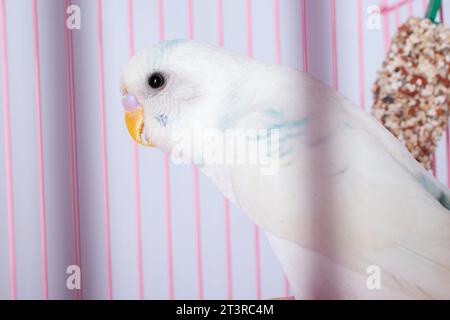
(156, 80)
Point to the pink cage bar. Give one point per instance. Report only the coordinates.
(387, 9)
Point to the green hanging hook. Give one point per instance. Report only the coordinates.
(433, 9)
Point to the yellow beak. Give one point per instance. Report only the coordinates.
(135, 125)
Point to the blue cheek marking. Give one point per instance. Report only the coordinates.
(162, 119)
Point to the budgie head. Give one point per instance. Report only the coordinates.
(177, 85)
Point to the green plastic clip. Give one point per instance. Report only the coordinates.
(433, 9)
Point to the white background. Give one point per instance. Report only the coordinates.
(120, 161)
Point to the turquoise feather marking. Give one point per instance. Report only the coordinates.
(273, 112)
(288, 130)
(273, 118)
(168, 45)
(444, 200)
(165, 48)
(291, 124)
(433, 188)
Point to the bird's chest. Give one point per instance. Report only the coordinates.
(220, 175)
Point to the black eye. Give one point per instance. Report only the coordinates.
(156, 80)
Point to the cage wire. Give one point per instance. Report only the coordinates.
(390, 12)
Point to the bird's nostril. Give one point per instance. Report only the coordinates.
(129, 102)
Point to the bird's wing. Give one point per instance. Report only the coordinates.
(351, 192)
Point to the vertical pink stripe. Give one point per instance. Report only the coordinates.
(166, 168)
(278, 58)
(276, 10)
(138, 221)
(410, 8)
(424, 5)
(73, 148)
(137, 190)
(441, 17)
(190, 20)
(161, 19)
(447, 136)
(287, 287)
(228, 250)
(257, 261)
(447, 130)
(169, 227)
(198, 238)
(397, 16)
(40, 146)
(386, 31)
(8, 161)
(433, 165)
(334, 44)
(104, 149)
(226, 203)
(362, 76)
(220, 23)
(248, 12)
(305, 36)
(130, 28)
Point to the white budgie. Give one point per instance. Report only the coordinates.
(348, 211)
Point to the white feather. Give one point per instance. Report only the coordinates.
(347, 194)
